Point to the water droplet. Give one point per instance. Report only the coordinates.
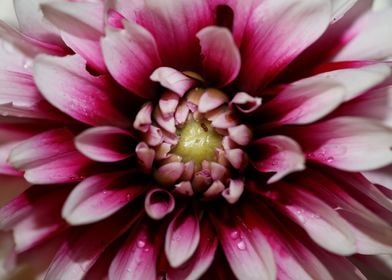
(147, 249)
(141, 244)
(330, 159)
(241, 245)
(235, 235)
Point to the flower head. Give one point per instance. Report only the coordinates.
(197, 139)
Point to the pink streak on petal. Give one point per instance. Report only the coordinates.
(278, 154)
(271, 41)
(105, 143)
(173, 80)
(159, 203)
(182, 237)
(66, 84)
(98, 197)
(221, 57)
(131, 56)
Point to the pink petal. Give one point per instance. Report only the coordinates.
(138, 255)
(173, 80)
(143, 118)
(159, 203)
(321, 222)
(80, 33)
(247, 251)
(50, 158)
(211, 99)
(34, 216)
(182, 238)
(66, 84)
(105, 143)
(241, 134)
(345, 143)
(195, 267)
(221, 57)
(98, 197)
(368, 39)
(271, 41)
(145, 155)
(154, 136)
(382, 176)
(233, 193)
(168, 102)
(83, 246)
(169, 173)
(174, 26)
(131, 56)
(237, 158)
(245, 103)
(278, 154)
(169, 124)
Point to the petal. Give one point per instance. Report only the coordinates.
(169, 173)
(83, 246)
(245, 103)
(233, 193)
(271, 42)
(278, 154)
(159, 203)
(50, 158)
(345, 143)
(211, 99)
(368, 39)
(105, 143)
(174, 25)
(143, 118)
(221, 57)
(98, 197)
(131, 56)
(174, 80)
(382, 176)
(195, 267)
(138, 255)
(66, 84)
(241, 134)
(182, 238)
(247, 251)
(81, 34)
(340, 7)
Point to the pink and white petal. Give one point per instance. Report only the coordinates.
(279, 154)
(271, 41)
(174, 25)
(31, 22)
(321, 222)
(131, 55)
(382, 176)
(105, 143)
(241, 134)
(83, 246)
(221, 57)
(143, 118)
(168, 103)
(211, 99)
(233, 193)
(66, 84)
(145, 156)
(169, 173)
(50, 158)
(138, 256)
(98, 197)
(182, 237)
(174, 80)
(159, 203)
(81, 34)
(368, 39)
(248, 252)
(195, 267)
(245, 103)
(344, 143)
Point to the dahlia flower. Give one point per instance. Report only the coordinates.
(203, 139)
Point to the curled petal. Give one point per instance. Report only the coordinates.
(143, 118)
(278, 154)
(159, 203)
(245, 103)
(234, 192)
(168, 103)
(145, 155)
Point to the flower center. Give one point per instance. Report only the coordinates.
(198, 141)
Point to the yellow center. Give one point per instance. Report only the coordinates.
(198, 141)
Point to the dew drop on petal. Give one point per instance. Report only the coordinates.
(235, 235)
(241, 245)
(141, 244)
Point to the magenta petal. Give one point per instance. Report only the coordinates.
(66, 84)
(345, 143)
(194, 268)
(182, 238)
(221, 57)
(84, 246)
(50, 158)
(80, 33)
(131, 56)
(105, 143)
(278, 154)
(159, 203)
(138, 255)
(173, 80)
(271, 42)
(98, 197)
